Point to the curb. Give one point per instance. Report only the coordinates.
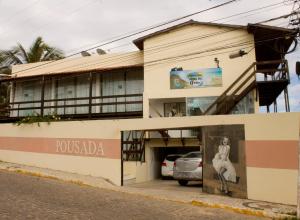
(244, 211)
(231, 208)
(198, 203)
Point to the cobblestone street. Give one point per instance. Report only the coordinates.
(29, 197)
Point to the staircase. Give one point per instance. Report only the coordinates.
(276, 79)
(133, 148)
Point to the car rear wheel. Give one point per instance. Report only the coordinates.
(183, 182)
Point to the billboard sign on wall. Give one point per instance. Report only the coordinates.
(187, 79)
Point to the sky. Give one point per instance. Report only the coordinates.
(75, 25)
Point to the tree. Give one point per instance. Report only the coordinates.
(39, 51)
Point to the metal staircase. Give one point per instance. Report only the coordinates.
(276, 79)
(133, 148)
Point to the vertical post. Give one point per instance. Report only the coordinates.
(286, 98)
(298, 191)
(125, 88)
(55, 96)
(116, 103)
(122, 168)
(12, 97)
(101, 93)
(90, 94)
(42, 96)
(275, 106)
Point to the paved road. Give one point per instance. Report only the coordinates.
(28, 197)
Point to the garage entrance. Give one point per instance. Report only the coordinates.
(162, 160)
(149, 156)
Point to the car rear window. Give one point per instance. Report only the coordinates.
(173, 157)
(193, 155)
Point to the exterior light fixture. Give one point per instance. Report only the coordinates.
(240, 53)
(217, 62)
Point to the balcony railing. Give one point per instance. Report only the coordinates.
(81, 107)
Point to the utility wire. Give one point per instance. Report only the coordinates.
(280, 17)
(69, 13)
(139, 32)
(159, 46)
(21, 11)
(93, 64)
(245, 44)
(245, 12)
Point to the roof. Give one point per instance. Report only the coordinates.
(250, 28)
(139, 42)
(79, 64)
(271, 42)
(253, 27)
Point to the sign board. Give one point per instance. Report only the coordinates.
(186, 79)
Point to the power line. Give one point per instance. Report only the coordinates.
(93, 64)
(159, 48)
(238, 14)
(246, 12)
(245, 44)
(11, 17)
(69, 14)
(142, 31)
(279, 17)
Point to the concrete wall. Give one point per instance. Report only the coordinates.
(191, 40)
(79, 147)
(271, 152)
(271, 148)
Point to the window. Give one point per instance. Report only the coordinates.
(175, 109)
(198, 105)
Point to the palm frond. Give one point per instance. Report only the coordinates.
(52, 53)
(39, 51)
(9, 57)
(22, 52)
(36, 51)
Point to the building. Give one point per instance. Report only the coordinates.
(186, 88)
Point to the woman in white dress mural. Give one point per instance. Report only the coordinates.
(223, 165)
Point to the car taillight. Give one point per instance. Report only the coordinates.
(174, 164)
(200, 164)
(163, 164)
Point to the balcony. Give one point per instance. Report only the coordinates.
(94, 107)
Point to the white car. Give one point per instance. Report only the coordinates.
(167, 165)
(188, 167)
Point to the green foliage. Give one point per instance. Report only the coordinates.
(37, 118)
(39, 51)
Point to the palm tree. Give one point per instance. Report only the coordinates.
(39, 51)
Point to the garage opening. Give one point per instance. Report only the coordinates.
(163, 158)
(221, 149)
(150, 156)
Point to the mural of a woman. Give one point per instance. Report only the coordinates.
(223, 166)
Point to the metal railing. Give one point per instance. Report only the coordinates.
(275, 69)
(114, 104)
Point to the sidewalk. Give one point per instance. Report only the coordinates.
(244, 206)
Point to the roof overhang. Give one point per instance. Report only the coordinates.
(79, 65)
(271, 43)
(140, 41)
